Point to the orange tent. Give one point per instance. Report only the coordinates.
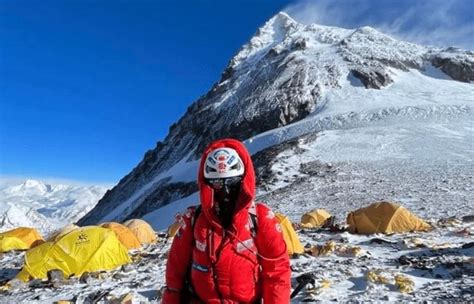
(142, 230)
(21, 238)
(315, 218)
(124, 234)
(384, 217)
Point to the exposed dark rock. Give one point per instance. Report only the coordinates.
(458, 67)
(372, 79)
(468, 218)
(55, 275)
(264, 160)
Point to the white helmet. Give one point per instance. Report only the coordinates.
(223, 163)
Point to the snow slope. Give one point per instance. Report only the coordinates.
(418, 118)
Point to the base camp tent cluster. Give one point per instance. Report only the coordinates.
(380, 217)
(75, 250)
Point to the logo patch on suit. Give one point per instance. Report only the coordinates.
(200, 268)
(200, 246)
(245, 245)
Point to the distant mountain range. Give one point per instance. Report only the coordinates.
(32, 203)
(288, 85)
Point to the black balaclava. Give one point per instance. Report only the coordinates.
(225, 200)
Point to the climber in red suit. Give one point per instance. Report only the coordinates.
(230, 249)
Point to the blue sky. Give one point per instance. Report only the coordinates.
(86, 87)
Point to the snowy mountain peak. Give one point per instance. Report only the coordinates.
(271, 33)
(31, 183)
(30, 186)
(281, 21)
(33, 203)
(286, 73)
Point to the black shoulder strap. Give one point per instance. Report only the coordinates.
(197, 211)
(253, 219)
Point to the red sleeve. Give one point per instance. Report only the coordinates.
(179, 259)
(275, 262)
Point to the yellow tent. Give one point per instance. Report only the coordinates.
(124, 234)
(315, 218)
(21, 238)
(142, 230)
(61, 232)
(292, 241)
(86, 249)
(384, 217)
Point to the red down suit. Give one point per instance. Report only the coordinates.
(231, 265)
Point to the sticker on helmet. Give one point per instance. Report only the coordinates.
(231, 159)
(222, 167)
(221, 153)
(211, 160)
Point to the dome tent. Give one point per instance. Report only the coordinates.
(124, 234)
(315, 218)
(86, 249)
(56, 235)
(384, 217)
(21, 238)
(142, 230)
(290, 236)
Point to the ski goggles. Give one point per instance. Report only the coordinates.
(220, 183)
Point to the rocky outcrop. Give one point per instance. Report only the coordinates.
(456, 63)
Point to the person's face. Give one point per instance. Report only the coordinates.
(226, 193)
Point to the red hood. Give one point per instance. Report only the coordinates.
(247, 190)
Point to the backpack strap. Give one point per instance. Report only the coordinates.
(253, 219)
(188, 292)
(197, 211)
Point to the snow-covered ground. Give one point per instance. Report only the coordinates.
(438, 263)
(44, 206)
